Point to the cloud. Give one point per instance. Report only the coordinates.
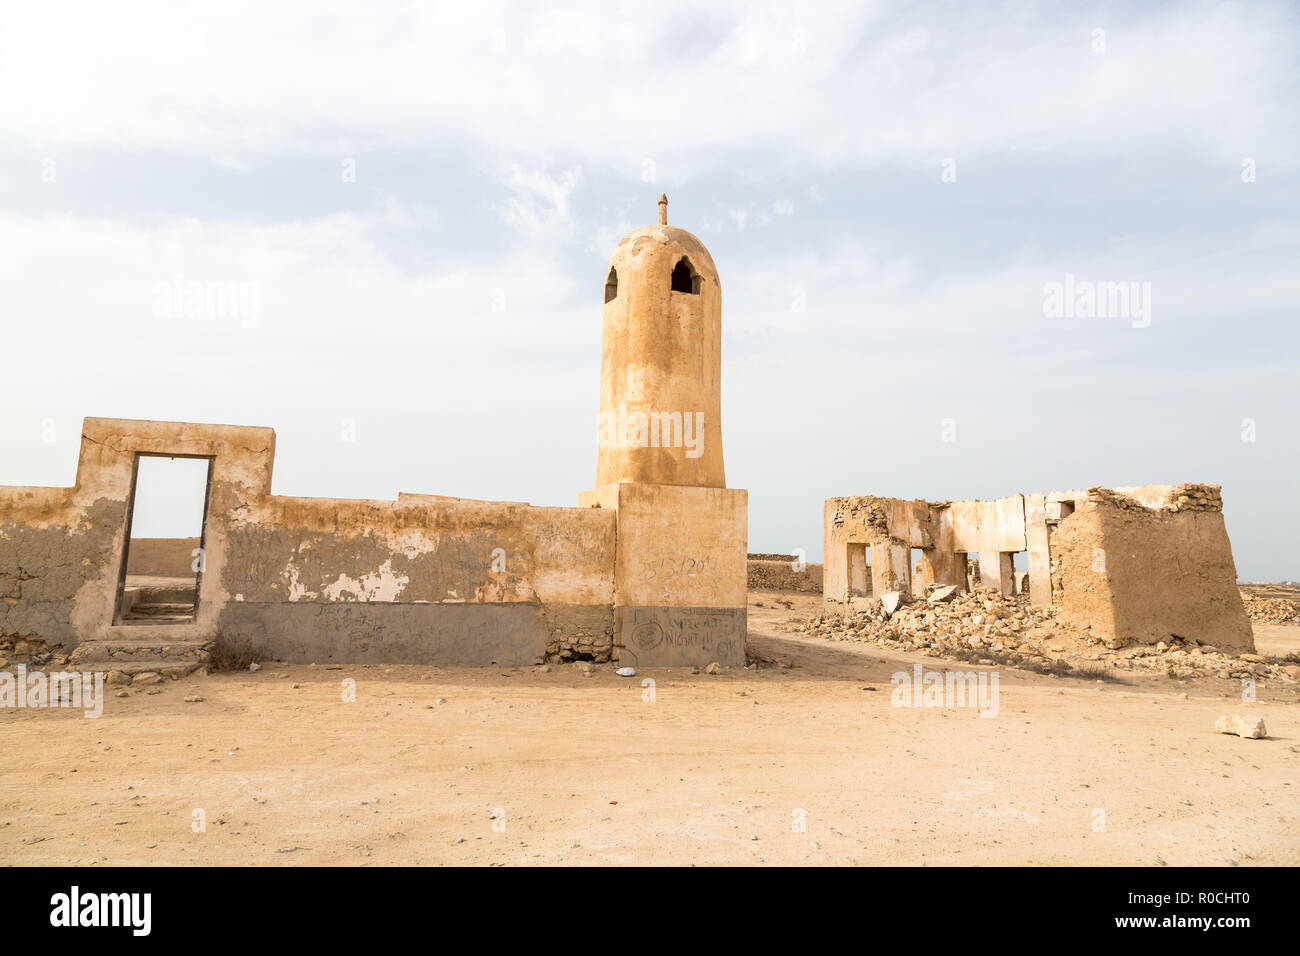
(448, 299)
(538, 208)
(832, 84)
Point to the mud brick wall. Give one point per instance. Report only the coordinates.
(1139, 566)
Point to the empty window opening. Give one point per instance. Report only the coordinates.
(685, 278)
(1059, 510)
(611, 285)
(859, 570)
(163, 561)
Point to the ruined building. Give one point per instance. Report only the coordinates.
(1125, 565)
(648, 570)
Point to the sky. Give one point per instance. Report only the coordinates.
(383, 230)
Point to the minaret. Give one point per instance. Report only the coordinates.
(681, 534)
(661, 355)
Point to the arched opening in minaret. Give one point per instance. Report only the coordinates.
(685, 278)
(611, 285)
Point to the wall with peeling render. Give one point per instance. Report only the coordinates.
(424, 579)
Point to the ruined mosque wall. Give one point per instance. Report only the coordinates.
(423, 578)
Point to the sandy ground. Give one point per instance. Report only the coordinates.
(716, 770)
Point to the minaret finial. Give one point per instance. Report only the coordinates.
(663, 209)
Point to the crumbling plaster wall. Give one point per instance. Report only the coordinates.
(434, 580)
(944, 531)
(421, 579)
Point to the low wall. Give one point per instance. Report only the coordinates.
(777, 573)
(162, 557)
(447, 581)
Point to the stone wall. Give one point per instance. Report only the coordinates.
(776, 572)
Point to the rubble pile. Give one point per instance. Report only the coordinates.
(1270, 610)
(987, 627)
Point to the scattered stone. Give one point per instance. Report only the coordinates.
(943, 595)
(625, 672)
(1271, 610)
(147, 677)
(1251, 727)
(714, 668)
(889, 602)
(193, 700)
(254, 667)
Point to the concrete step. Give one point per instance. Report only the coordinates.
(121, 652)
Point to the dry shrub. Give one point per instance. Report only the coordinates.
(232, 654)
(1094, 672)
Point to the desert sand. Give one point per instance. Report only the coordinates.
(508, 766)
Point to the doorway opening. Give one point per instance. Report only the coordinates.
(163, 558)
(919, 574)
(1020, 573)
